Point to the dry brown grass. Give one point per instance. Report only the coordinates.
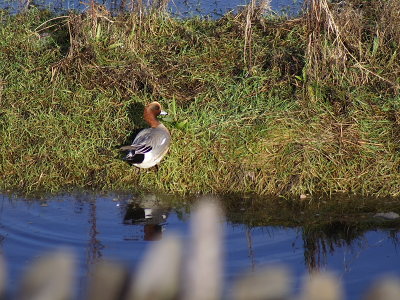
(354, 42)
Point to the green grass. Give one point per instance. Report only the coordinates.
(288, 119)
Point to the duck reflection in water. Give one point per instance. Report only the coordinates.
(153, 219)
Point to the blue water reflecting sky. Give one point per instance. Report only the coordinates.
(180, 7)
(98, 227)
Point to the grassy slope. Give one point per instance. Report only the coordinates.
(262, 121)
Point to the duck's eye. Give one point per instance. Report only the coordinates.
(156, 107)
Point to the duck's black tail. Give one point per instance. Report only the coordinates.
(134, 158)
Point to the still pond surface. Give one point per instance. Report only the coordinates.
(214, 8)
(121, 227)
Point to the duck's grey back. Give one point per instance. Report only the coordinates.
(157, 138)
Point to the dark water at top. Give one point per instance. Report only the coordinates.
(212, 8)
(115, 226)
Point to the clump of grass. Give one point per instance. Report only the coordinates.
(258, 103)
(354, 43)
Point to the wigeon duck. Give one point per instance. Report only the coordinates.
(151, 144)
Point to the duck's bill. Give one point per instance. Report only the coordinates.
(163, 113)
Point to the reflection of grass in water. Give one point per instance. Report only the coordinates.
(324, 225)
(319, 241)
(255, 108)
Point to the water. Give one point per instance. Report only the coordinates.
(114, 226)
(214, 8)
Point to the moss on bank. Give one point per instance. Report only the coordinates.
(257, 103)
